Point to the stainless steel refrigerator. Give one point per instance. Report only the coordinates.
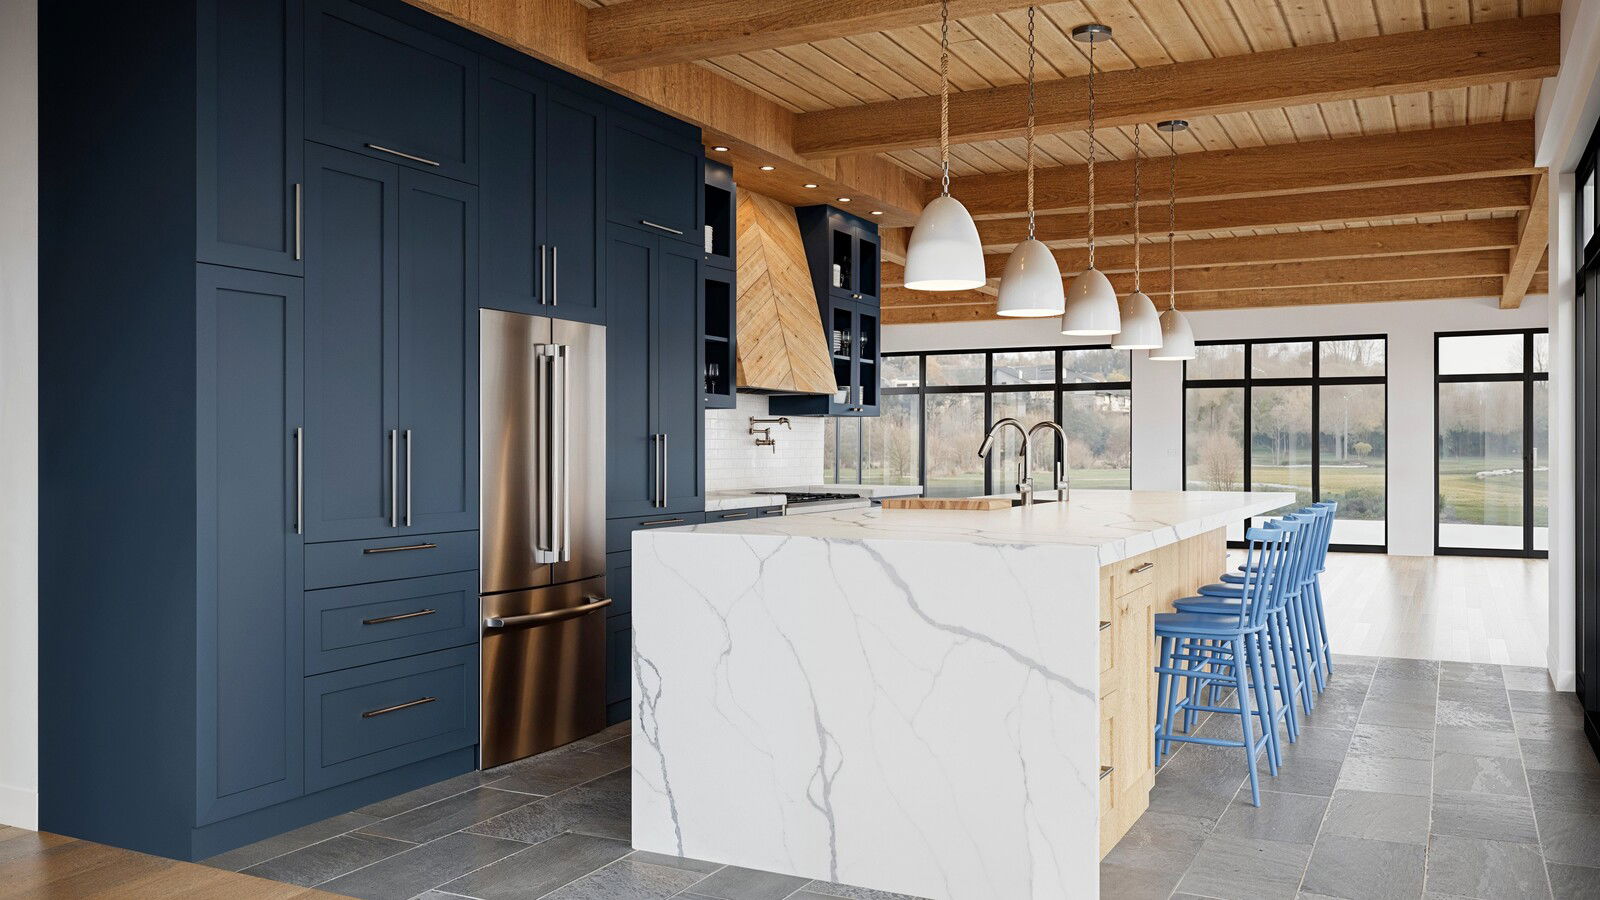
(542, 388)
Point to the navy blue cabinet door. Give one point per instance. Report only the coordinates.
(352, 274)
(572, 222)
(653, 180)
(384, 89)
(631, 440)
(619, 668)
(249, 365)
(514, 261)
(248, 133)
(438, 351)
(677, 321)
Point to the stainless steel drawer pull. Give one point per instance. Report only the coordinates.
(1140, 570)
(399, 706)
(495, 623)
(653, 522)
(733, 515)
(1104, 625)
(410, 615)
(1106, 770)
(421, 159)
(662, 227)
(428, 546)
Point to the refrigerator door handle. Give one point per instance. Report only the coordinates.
(543, 540)
(560, 493)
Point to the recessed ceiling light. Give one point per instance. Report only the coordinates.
(720, 149)
(768, 168)
(877, 212)
(844, 199)
(810, 185)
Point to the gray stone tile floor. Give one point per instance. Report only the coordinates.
(1412, 779)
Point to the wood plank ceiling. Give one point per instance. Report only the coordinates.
(1408, 121)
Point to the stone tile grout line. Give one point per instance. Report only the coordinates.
(1365, 696)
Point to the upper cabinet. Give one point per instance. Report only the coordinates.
(248, 131)
(654, 179)
(384, 89)
(721, 201)
(842, 251)
(539, 171)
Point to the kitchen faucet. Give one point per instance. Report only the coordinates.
(1024, 465)
(1063, 474)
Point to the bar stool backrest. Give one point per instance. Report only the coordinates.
(1266, 577)
(1330, 509)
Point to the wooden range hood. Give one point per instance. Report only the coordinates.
(782, 346)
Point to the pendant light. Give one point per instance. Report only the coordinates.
(1177, 338)
(1141, 324)
(944, 253)
(1091, 300)
(1031, 285)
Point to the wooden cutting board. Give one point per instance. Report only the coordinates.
(946, 503)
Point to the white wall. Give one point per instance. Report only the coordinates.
(19, 414)
(734, 462)
(1158, 386)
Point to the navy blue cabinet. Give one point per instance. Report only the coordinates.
(248, 365)
(384, 89)
(391, 435)
(654, 179)
(541, 181)
(842, 254)
(249, 122)
(654, 427)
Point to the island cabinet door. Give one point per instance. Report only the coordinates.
(250, 554)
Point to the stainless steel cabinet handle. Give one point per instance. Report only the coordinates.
(657, 500)
(425, 546)
(403, 155)
(544, 271)
(662, 227)
(733, 515)
(408, 477)
(1106, 770)
(555, 275)
(675, 520)
(299, 481)
(665, 457)
(495, 623)
(299, 227)
(1140, 570)
(410, 615)
(394, 478)
(397, 707)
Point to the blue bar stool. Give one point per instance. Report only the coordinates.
(1315, 618)
(1227, 651)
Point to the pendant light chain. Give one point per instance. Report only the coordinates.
(1091, 153)
(1030, 122)
(1136, 240)
(944, 92)
(1172, 224)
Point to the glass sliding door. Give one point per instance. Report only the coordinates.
(1491, 409)
(1305, 416)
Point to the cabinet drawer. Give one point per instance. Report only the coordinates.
(619, 532)
(368, 623)
(1130, 574)
(386, 559)
(733, 515)
(374, 718)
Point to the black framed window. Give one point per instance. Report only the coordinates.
(935, 407)
(1492, 424)
(1308, 415)
(1586, 438)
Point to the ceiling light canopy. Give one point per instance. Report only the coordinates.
(1091, 302)
(1030, 287)
(944, 253)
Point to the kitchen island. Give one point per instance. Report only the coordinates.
(950, 704)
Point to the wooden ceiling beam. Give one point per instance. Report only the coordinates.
(1380, 66)
(1532, 240)
(1387, 160)
(656, 32)
(1316, 208)
(761, 131)
(978, 309)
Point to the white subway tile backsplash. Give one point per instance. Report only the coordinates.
(734, 462)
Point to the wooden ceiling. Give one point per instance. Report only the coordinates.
(1340, 150)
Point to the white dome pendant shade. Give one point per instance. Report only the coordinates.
(1177, 338)
(1031, 285)
(945, 252)
(1092, 309)
(1141, 324)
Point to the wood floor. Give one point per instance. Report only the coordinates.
(37, 864)
(1459, 608)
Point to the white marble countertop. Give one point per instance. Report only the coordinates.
(1115, 524)
(757, 497)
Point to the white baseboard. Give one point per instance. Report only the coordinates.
(19, 807)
